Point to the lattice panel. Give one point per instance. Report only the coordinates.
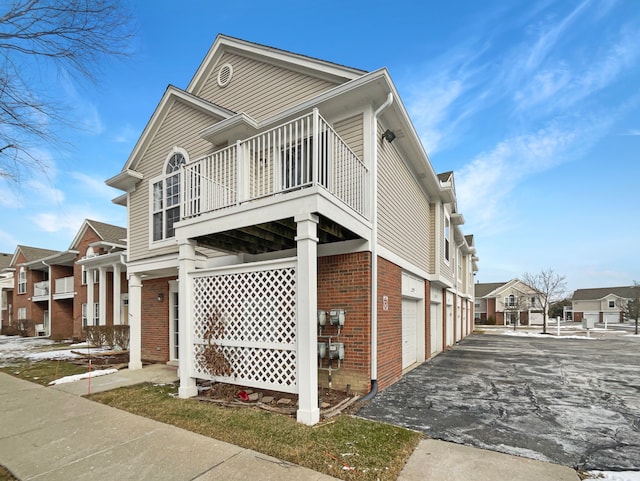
(247, 320)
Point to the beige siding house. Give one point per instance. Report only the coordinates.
(508, 303)
(602, 304)
(287, 230)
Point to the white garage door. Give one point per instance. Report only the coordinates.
(535, 318)
(592, 316)
(409, 325)
(436, 328)
(611, 317)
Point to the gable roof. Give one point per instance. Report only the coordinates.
(109, 233)
(128, 176)
(293, 61)
(484, 288)
(5, 260)
(625, 292)
(32, 254)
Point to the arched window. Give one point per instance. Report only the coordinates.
(166, 197)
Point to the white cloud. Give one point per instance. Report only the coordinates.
(126, 134)
(94, 186)
(70, 220)
(634, 132)
(44, 193)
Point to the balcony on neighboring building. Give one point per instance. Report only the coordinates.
(64, 288)
(40, 291)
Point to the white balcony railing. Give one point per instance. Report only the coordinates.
(301, 153)
(41, 289)
(64, 285)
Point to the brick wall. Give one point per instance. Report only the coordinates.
(155, 320)
(389, 324)
(344, 283)
(61, 313)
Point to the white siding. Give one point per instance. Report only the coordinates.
(403, 209)
(260, 89)
(181, 127)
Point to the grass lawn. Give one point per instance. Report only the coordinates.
(346, 447)
(43, 372)
(5, 475)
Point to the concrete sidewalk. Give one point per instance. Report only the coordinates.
(48, 434)
(54, 434)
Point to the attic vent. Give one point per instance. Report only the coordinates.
(224, 75)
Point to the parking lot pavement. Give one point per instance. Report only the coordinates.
(574, 402)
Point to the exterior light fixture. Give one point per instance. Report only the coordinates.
(388, 135)
(160, 297)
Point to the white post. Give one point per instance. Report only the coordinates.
(90, 309)
(135, 321)
(307, 307)
(558, 318)
(187, 263)
(116, 294)
(102, 296)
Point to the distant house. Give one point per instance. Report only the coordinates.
(507, 303)
(6, 289)
(60, 293)
(287, 230)
(601, 304)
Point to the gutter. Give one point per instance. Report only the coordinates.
(374, 249)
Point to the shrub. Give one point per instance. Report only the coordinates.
(491, 321)
(111, 336)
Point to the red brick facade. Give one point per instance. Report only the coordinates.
(389, 323)
(155, 320)
(344, 283)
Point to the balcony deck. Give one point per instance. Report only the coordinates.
(244, 197)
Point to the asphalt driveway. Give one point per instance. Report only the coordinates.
(569, 401)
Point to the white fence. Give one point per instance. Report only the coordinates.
(244, 325)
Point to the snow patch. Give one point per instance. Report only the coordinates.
(614, 475)
(86, 375)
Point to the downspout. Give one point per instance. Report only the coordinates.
(374, 249)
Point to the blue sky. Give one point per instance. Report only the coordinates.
(534, 105)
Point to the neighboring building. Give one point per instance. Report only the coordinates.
(30, 310)
(59, 293)
(508, 303)
(6, 290)
(601, 304)
(277, 186)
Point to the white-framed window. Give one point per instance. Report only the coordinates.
(22, 313)
(511, 301)
(96, 276)
(447, 238)
(165, 197)
(84, 315)
(612, 304)
(533, 301)
(22, 280)
(96, 313)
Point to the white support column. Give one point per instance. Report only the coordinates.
(187, 263)
(102, 296)
(135, 321)
(307, 307)
(116, 294)
(90, 301)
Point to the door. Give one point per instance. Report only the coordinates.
(409, 327)
(124, 309)
(435, 330)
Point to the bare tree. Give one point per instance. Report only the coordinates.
(632, 309)
(550, 285)
(44, 38)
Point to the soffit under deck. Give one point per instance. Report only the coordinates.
(272, 236)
